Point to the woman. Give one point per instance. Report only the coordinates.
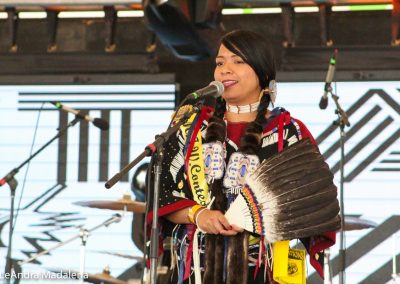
(242, 130)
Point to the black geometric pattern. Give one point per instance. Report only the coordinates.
(361, 125)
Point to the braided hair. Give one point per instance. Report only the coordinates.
(257, 53)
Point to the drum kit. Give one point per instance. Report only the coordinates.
(127, 204)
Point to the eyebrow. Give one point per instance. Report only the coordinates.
(232, 56)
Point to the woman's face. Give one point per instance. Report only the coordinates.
(240, 81)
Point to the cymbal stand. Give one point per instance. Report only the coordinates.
(83, 234)
(327, 267)
(342, 121)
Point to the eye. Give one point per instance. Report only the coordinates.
(239, 61)
(219, 63)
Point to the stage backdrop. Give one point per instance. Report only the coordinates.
(371, 169)
(76, 167)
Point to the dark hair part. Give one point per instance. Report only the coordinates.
(255, 50)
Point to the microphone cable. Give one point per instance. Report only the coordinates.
(27, 169)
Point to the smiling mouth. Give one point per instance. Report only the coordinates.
(229, 83)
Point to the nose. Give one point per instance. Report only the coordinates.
(226, 72)
(225, 69)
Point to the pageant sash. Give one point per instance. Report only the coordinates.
(194, 160)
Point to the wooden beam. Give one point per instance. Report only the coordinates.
(63, 63)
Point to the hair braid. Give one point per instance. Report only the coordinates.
(216, 130)
(262, 108)
(250, 141)
(220, 107)
(215, 244)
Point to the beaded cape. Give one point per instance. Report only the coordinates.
(280, 131)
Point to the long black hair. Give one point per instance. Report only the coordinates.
(256, 51)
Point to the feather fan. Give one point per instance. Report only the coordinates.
(290, 195)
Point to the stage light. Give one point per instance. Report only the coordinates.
(32, 15)
(81, 14)
(311, 9)
(130, 14)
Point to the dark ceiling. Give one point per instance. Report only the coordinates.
(363, 40)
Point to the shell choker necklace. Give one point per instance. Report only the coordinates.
(242, 109)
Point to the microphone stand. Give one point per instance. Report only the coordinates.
(156, 148)
(342, 121)
(12, 183)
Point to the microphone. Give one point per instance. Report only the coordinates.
(215, 89)
(98, 122)
(323, 103)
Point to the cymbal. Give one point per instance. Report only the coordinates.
(125, 203)
(354, 223)
(103, 277)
